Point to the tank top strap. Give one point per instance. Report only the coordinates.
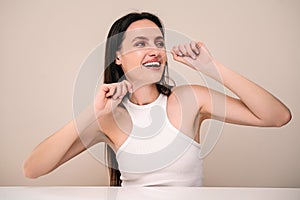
(164, 100)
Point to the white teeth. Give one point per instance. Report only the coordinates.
(152, 64)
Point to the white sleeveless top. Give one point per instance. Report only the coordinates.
(156, 153)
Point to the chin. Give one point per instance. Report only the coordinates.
(145, 76)
(150, 79)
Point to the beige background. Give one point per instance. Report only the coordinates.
(43, 44)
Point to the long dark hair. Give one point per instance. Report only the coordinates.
(114, 73)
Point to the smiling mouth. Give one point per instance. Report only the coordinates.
(152, 65)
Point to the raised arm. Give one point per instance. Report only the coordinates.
(254, 106)
(78, 135)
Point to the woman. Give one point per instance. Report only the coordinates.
(143, 120)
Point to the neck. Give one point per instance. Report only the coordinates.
(144, 95)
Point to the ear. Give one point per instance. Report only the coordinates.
(118, 58)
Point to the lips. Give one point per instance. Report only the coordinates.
(152, 63)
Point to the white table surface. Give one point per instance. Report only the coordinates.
(165, 193)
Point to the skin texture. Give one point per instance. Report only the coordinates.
(187, 106)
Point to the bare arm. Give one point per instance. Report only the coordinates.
(254, 106)
(59, 148)
(76, 136)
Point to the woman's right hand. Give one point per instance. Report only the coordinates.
(110, 95)
(76, 136)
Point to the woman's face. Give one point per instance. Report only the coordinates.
(142, 54)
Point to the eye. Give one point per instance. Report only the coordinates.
(160, 44)
(140, 44)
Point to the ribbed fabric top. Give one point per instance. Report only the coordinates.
(156, 153)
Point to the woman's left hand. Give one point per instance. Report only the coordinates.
(194, 55)
(254, 106)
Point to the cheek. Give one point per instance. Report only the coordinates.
(132, 60)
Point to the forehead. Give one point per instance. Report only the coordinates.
(143, 27)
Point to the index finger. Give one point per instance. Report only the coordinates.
(128, 86)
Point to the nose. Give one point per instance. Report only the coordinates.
(154, 51)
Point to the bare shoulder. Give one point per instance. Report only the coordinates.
(116, 126)
(190, 94)
(114, 120)
(183, 89)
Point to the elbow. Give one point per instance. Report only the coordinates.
(278, 119)
(29, 171)
(283, 118)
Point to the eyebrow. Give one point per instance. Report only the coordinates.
(144, 38)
